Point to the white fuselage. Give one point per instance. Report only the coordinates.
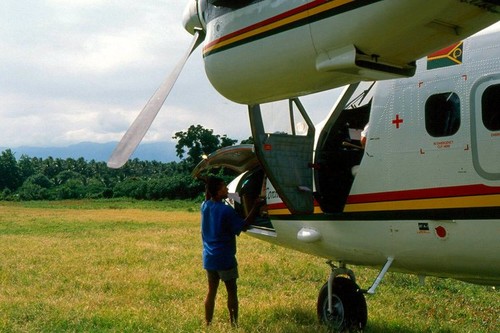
(428, 199)
(271, 50)
(426, 192)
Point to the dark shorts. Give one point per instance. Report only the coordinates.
(230, 274)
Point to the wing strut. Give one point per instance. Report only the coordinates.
(380, 276)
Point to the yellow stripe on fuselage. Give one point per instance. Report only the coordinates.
(327, 6)
(420, 204)
(273, 25)
(285, 211)
(254, 32)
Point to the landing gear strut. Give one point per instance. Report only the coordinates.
(346, 309)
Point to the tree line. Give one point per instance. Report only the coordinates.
(33, 178)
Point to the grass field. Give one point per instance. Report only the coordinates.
(117, 266)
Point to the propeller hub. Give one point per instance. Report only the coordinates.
(191, 18)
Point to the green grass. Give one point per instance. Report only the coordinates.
(121, 266)
(118, 203)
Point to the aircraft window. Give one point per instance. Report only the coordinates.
(218, 8)
(230, 3)
(491, 108)
(442, 114)
(278, 119)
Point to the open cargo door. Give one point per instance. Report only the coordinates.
(238, 158)
(245, 189)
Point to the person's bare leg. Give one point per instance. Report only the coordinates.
(232, 301)
(213, 285)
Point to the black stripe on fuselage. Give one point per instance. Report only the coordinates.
(488, 213)
(295, 24)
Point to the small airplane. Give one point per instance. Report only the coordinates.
(421, 195)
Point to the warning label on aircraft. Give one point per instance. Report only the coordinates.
(423, 228)
(449, 56)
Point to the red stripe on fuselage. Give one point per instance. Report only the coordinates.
(281, 205)
(268, 21)
(430, 193)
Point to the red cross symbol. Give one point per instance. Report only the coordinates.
(397, 121)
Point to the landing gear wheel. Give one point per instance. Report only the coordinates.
(348, 304)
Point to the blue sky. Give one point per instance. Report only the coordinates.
(81, 70)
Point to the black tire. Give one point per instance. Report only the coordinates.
(349, 306)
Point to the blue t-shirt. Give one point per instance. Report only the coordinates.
(220, 225)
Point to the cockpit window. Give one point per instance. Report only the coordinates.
(490, 103)
(230, 3)
(442, 114)
(216, 8)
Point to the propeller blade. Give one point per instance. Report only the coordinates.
(141, 124)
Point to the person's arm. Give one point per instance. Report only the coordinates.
(250, 219)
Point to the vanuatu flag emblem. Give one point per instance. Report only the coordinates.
(449, 56)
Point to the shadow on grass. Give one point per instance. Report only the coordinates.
(281, 319)
(296, 320)
(384, 328)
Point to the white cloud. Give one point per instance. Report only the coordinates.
(81, 70)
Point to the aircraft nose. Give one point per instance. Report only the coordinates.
(191, 17)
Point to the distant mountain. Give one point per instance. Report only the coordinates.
(157, 151)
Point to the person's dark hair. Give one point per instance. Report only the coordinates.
(213, 184)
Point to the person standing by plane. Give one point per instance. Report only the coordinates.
(220, 224)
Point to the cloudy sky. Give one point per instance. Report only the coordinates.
(81, 70)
